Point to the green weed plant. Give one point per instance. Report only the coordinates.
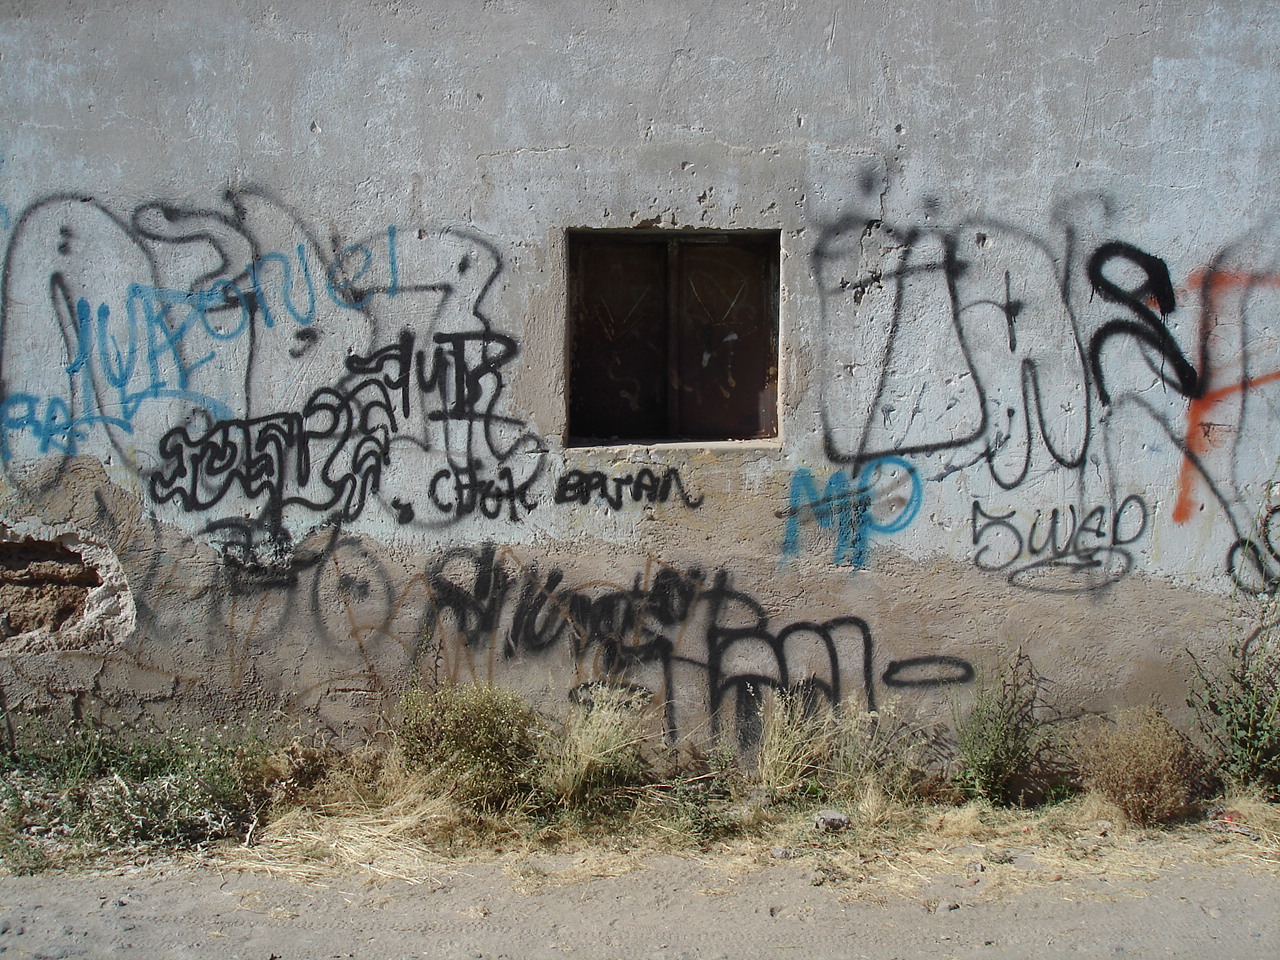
(1004, 741)
(1236, 698)
(86, 788)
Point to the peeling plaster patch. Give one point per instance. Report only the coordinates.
(60, 593)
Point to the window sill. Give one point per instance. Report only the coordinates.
(657, 447)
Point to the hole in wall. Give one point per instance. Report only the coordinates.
(43, 586)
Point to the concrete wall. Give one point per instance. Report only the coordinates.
(1028, 365)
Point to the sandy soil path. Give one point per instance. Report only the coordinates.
(665, 908)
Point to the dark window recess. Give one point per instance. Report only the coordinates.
(672, 336)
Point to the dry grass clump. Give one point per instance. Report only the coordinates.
(458, 773)
(470, 769)
(1250, 813)
(882, 753)
(796, 743)
(598, 760)
(370, 810)
(869, 763)
(842, 753)
(1142, 764)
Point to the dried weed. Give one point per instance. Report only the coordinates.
(1142, 764)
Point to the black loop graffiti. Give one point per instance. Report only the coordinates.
(927, 672)
(341, 441)
(1171, 365)
(1253, 563)
(181, 326)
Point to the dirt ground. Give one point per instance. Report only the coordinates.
(1207, 900)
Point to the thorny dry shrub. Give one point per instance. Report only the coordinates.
(1143, 764)
(478, 741)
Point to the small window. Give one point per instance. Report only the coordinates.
(672, 336)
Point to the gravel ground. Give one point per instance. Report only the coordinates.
(531, 908)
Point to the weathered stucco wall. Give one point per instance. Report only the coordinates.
(282, 350)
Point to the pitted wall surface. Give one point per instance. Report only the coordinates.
(283, 333)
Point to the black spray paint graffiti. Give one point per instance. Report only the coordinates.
(193, 340)
(330, 457)
(1254, 560)
(339, 614)
(275, 385)
(1060, 540)
(244, 369)
(981, 348)
(644, 486)
(352, 623)
(707, 652)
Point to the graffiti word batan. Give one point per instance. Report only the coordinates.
(885, 500)
(706, 651)
(644, 486)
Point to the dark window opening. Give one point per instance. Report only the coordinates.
(672, 336)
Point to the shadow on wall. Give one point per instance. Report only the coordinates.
(343, 625)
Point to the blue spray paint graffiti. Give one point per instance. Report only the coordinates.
(105, 377)
(149, 348)
(247, 369)
(875, 504)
